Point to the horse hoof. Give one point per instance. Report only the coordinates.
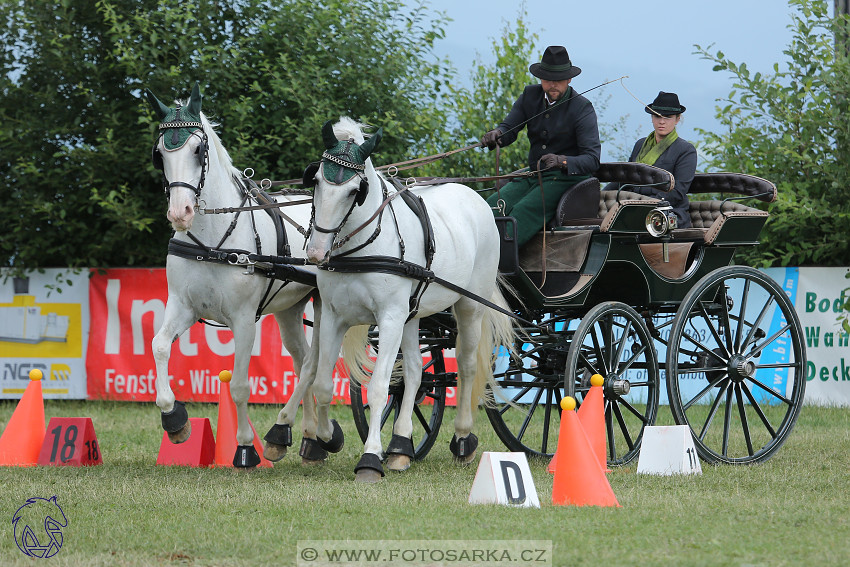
(305, 462)
(181, 435)
(244, 470)
(466, 459)
(398, 463)
(274, 452)
(367, 476)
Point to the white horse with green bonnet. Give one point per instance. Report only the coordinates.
(378, 254)
(230, 268)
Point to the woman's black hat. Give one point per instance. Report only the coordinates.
(665, 104)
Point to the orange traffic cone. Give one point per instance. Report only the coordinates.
(579, 480)
(225, 430)
(592, 417)
(24, 434)
(591, 414)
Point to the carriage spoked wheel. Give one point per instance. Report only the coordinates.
(430, 403)
(525, 410)
(736, 366)
(613, 340)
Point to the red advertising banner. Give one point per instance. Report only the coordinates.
(127, 307)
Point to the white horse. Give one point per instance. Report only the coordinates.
(211, 274)
(357, 237)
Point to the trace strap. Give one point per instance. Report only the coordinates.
(390, 265)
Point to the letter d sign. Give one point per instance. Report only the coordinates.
(504, 478)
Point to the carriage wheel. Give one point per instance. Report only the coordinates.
(614, 341)
(525, 411)
(428, 412)
(736, 366)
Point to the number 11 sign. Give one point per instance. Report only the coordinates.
(70, 441)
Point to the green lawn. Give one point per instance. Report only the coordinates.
(789, 511)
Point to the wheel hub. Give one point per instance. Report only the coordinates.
(741, 368)
(615, 386)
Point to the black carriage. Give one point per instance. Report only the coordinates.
(613, 288)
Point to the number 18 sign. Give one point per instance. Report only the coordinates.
(70, 441)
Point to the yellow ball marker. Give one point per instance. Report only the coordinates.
(568, 403)
(597, 380)
(36, 374)
(225, 375)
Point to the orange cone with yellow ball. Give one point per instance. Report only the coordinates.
(579, 480)
(591, 414)
(24, 434)
(225, 429)
(592, 417)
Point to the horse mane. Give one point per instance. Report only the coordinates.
(215, 143)
(348, 128)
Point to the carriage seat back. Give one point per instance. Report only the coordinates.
(711, 217)
(579, 203)
(734, 183)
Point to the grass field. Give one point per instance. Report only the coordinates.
(792, 510)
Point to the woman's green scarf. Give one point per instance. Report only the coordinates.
(651, 150)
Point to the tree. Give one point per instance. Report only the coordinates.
(792, 127)
(76, 134)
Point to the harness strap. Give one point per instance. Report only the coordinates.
(276, 267)
(390, 265)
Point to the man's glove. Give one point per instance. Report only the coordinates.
(490, 139)
(550, 161)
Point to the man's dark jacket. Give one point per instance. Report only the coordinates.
(569, 129)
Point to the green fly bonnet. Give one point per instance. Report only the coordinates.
(176, 126)
(179, 122)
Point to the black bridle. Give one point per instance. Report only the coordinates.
(203, 154)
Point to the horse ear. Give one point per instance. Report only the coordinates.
(328, 136)
(158, 107)
(369, 145)
(195, 100)
(309, 178)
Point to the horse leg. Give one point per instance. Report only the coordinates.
(246, 457)
(177, 319)
(464, 443)
(390, 330)
(400, 451)
(290, 323)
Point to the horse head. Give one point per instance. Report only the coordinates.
(181, 152)
(340, 183)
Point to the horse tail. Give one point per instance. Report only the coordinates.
(358, 357)
(497, 330)
(355, 355)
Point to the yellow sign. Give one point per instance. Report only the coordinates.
(41, 330)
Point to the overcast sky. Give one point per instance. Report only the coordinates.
(650, 41)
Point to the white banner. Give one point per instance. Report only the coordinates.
(44, 325)
(821, 295)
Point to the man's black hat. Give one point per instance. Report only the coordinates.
(665, 104)
(555, 66)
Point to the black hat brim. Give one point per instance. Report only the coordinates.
(665, 110)
(536, 70)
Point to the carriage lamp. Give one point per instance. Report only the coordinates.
(660, 221)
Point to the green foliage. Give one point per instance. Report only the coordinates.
(75, 132)
(791, 127)
(476, 109)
